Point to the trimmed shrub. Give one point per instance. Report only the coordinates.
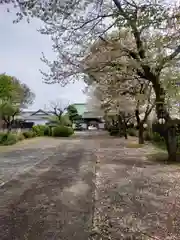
(113, 131)
(158, 141)
(47, 131)
(42, 130)
(8, 139)
(62, 131)
(147, 136)
(156, 137)
(20, 137)
(3, 137)
(132, 132)
(29, 134)
(39, 130)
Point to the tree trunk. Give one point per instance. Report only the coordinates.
(161, 110)
(125, 129)
(119, 124)
(140, 134)
(8, 126)
(171, 144)
(170, 133)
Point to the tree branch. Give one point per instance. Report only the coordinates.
(132, 23)
(168, 59)
(94, 19)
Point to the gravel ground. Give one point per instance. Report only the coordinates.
(53, 200)
(87, 187)
(19, 158)
(135, 198)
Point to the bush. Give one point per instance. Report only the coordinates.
(47, 131)
(8, 139)
(147, 136)
(62, 131)
(20, 137)
(41, 130)
(29, 134)
(113, 131)
(158, 141)
(3, 136)
(156, 137)
(132, 132)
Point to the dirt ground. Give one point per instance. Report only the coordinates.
(87, 187)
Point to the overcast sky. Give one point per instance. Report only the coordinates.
(20, 51)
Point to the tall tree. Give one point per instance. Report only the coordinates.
(154, 29)
(14, 96)
(58, 108)
(73, 113)
(8, 111)
(118, 81)
(13, 90)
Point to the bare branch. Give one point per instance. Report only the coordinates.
(168, 59)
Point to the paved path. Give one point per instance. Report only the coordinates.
(53, 200)
(88, 187)
(21, 157)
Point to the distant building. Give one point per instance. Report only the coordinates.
(38, 117)
(42, 116)
(89, 117)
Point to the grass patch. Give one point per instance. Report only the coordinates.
(134, 145)
(161, 145)
(21, 144)
(162, 158)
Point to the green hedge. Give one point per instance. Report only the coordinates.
(147, 136)
(62, 131)
(29, 134)
(113, 131)
(8, 138)
(41, 130)
(20, 136)
(132, 132)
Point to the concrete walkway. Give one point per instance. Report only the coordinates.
(88, 187)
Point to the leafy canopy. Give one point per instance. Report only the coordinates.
(11, 89)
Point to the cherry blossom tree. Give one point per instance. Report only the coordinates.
(155, 41)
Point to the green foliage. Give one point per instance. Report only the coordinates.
(8, 139)
(13, 96)
(3, 137)
(132, 132)
(47, 131)
(29, 134)
(73, 113)
(20, 137)
(55, 121)
(8, 111)
(39, 130)
(62, 131)
(156, 137)
(11, 89)
(114, 131)
(6, 87)
(147, 136)
(158, 140)
(65, 120)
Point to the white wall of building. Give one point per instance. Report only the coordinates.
(39, 121)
